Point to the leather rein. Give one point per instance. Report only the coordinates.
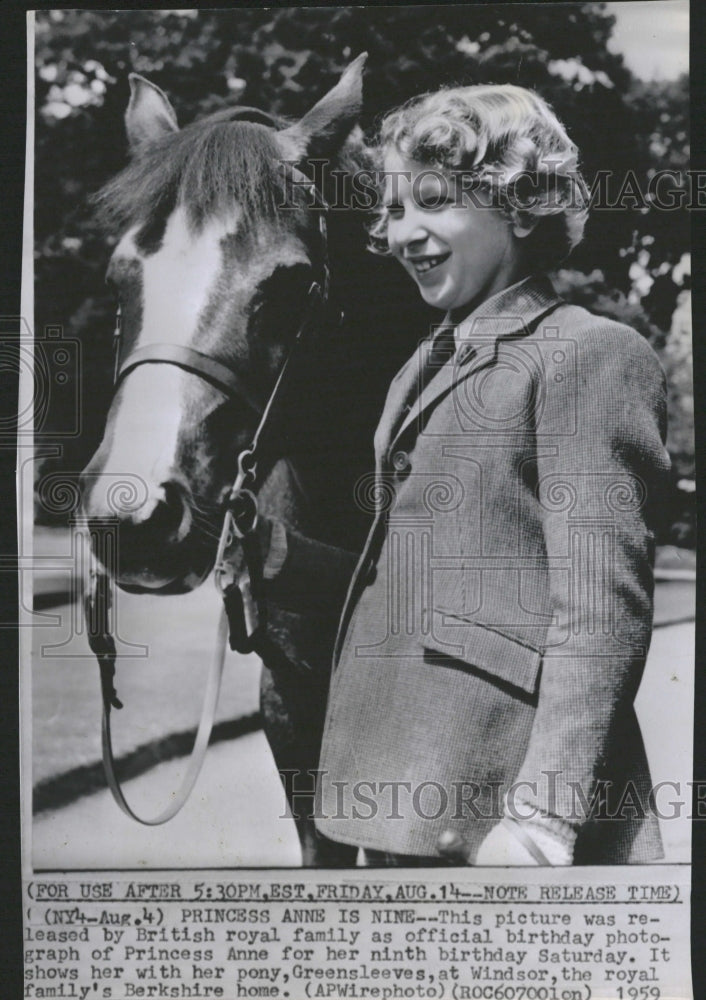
(242, 615)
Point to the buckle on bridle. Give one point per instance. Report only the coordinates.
(247, 472)
(241, 587)
(243, 512)
(239, 521)
(97, 602)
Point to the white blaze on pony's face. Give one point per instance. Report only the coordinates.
(205, 262)
(172, 288)
(162, 296)
(179, 279)
(170, 431)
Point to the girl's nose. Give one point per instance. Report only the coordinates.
(407, 234)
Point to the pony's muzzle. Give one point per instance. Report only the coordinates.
(149, 523)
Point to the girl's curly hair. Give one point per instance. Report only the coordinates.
(504, 139)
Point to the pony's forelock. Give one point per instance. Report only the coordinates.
(207, 167)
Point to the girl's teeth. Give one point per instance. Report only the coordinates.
(426, 265)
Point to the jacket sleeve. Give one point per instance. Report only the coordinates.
(601, 467)
(301, 574)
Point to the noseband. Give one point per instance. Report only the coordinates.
(242, 616)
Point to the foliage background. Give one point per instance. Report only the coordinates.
(633, 265)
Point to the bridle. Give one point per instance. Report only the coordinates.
(242, 617)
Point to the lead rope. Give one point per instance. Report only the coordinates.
(102, 644)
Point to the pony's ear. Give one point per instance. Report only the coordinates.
(149, 114)
(322, 131)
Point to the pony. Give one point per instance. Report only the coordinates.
(217, 245)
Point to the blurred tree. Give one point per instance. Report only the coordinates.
(282, 60)
(661, 110)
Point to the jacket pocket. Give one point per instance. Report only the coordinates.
(485, 648)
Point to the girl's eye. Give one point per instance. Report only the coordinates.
(435, 201)
(394, 211)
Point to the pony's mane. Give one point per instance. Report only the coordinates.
(206, 166)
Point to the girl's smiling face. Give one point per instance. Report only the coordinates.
(459, 252)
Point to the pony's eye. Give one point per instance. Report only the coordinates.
(281, 296)
(113, 289)
(122, 274)
(114, 280)
(286, 284)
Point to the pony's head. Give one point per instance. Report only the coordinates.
(217, 248)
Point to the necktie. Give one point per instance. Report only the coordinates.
(440, 352)
(433, 358)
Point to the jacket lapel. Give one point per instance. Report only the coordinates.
(403, 389)
(511, 313)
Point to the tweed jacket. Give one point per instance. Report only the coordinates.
(496, 627)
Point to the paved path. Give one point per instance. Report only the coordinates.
(234, 819)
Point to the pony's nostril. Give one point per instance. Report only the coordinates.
(171, 514)
(149, 535)
(160, 515)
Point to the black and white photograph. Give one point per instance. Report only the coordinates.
(356, 475)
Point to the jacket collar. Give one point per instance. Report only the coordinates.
(513, 312)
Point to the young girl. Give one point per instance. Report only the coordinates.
(497, 625)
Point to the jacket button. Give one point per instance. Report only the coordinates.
(400, 461)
